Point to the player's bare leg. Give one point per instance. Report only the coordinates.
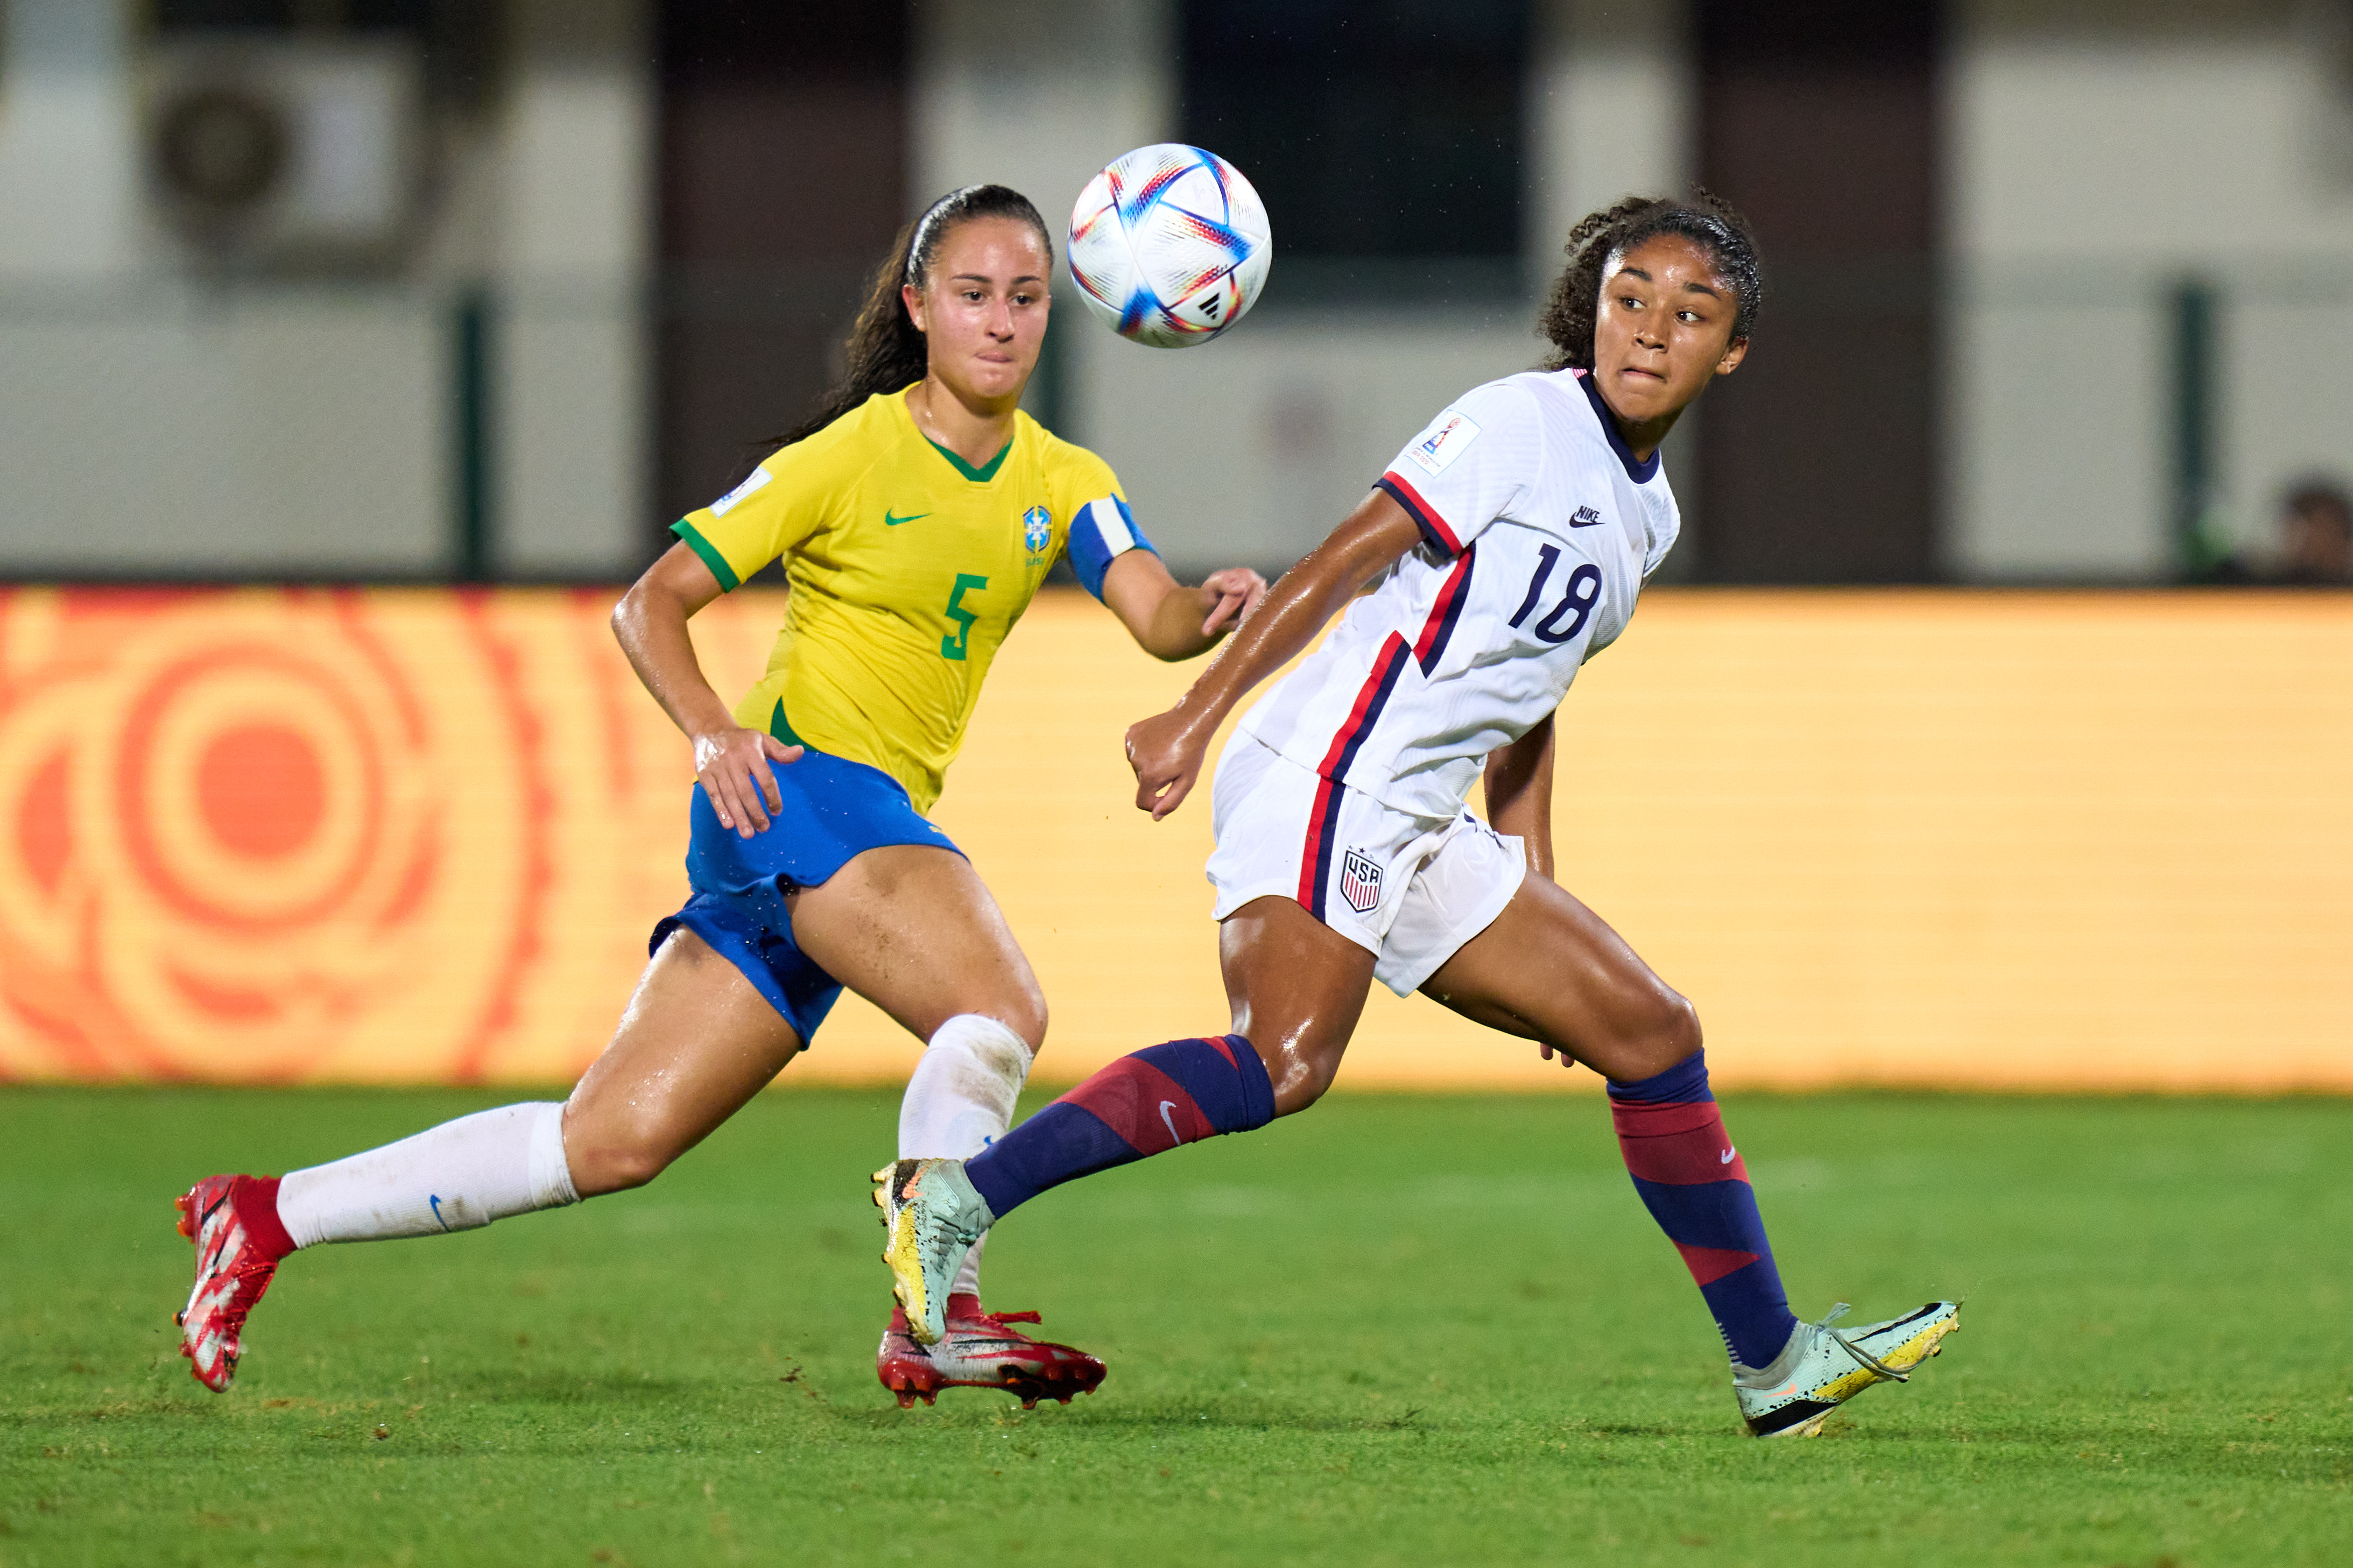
(1549, 969)
(914, 929)
(695, 1042)
(1297, 988)
(1552, 971)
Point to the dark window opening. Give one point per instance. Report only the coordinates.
(1387, 131)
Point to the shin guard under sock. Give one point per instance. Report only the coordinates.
(455, 1177)
(1696, 1186)
(1144, 1104)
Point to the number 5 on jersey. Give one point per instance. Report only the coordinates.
(953, 646)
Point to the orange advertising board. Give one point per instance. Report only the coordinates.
(2036, 840)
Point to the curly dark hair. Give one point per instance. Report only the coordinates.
(1707, 219)
(885, 351)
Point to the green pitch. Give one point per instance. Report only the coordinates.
(1395, 1331)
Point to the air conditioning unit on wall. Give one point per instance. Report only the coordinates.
(280, 153)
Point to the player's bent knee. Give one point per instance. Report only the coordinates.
(1673, 1035)
(1021, 1007)
(603, 1162)
(1029, 1020)
(1663, 1033)
(614, 1171)
(1299, 1080)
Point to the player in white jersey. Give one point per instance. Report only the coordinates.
(1505, 545)
(1537, 525)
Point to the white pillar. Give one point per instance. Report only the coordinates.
(571, 261)
(69, 161)
(1038, 95)
(1613, 110)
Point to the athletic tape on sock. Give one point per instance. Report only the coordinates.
(962, 1093)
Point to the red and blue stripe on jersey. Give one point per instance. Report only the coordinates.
(1425, 516)
(1425, 651)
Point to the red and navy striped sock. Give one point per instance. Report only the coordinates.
(1144, 1104)
(1696, 1186)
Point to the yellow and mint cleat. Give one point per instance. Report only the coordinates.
(931, 1217)
(1821, 1368)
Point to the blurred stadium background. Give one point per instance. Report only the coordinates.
(351, 351)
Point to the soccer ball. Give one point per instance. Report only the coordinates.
(1169, 244)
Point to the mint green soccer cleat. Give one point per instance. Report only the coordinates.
(931, 1217)
(1820, 1368)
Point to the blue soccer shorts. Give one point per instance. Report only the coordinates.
(834, 809)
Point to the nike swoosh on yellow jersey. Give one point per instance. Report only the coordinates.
(889, 521)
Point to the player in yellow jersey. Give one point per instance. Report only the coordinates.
(908, 565)
(916, 516)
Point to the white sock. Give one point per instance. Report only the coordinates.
(968, 1279)
(959, 1099)
(455, 1177)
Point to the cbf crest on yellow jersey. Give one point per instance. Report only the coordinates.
(908, 566)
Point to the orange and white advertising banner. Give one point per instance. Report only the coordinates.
(2034, 841)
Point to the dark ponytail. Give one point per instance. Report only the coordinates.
(1706, 220)
(885, 353)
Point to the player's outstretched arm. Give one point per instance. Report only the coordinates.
(1170, 621)
(1167, 750)
(731, 762)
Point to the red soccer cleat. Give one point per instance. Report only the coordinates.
(234, 1222)
(980, 1350)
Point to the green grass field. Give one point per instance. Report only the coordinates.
(1395, 1330)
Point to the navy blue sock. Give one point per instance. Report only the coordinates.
(1696, 1186)
(1147, 1103)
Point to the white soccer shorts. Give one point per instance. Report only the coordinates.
(1408, 890)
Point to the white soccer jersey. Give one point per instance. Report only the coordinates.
(1538, 527)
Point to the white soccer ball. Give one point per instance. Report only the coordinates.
(1169, 244)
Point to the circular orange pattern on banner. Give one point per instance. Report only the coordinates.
(260, 790)
(258, 832)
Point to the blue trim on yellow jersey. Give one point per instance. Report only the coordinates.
(1100, 533)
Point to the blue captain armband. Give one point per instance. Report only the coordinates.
(1100, 533)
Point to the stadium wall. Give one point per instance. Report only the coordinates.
(2038, 841)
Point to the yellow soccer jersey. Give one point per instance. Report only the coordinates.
(907, 566)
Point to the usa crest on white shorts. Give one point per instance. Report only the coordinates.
(1360, 881)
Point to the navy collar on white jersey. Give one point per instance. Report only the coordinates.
(1642, 473)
